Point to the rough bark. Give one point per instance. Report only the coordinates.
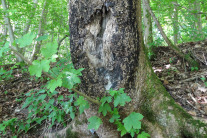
(106, 40)
(105, 43)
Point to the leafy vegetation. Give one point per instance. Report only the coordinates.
(39, 36)
(45, 104)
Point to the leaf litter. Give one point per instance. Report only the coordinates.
(187, 85)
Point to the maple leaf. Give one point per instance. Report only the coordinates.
(38, 66)
(95, 122)
(26, 40)
(133, 121)
(106, 99)
(53, 84)
(143, 135)
(48, 50)
(82, 103)
(104, 109)
(121, 99)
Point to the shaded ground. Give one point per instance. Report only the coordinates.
(182, 82)
(187, 85)
(12, 94)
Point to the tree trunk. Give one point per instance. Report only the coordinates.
(148, 38)
(28, 24)
(42, 24)
(198, 21)
(175, 23)
(106, 40)
(9, 26)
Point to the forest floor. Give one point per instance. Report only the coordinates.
(188, 86)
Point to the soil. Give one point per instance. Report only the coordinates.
(187, 85)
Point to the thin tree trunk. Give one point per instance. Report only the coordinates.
(28, 24)
(175, 24)
(59, 43)
(5, 30)
(4, 36)
(42, 23)
(148, 38)
(170, 44)
(198, 21)
(9, 26)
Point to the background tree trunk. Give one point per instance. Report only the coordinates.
(148, 38)
(42, 23)
(9, 26)
(106, 40)
(177, 50)
(175, 23)
(198, 22)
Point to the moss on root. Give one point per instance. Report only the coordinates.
(70, 134)
(154, 89)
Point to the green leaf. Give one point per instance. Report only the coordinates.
(104, 109)
(45, 64)
(70, 80)
(106, 99)
(27, 102)
(51, 101)
(205, 84)
(4, 49)
(39, 120)
(121, 99)
(48, 50)
(44, 37)
(42, 97)
(26, 40)
(203, 78)
(52, 114)
(143, 135)
(60, 97)
(53, 84)
(38, 66)
(26, 128)
(113, 92)
(133, 121)
(72, 113)
(94, 122)
(83, 104)
(114, 118)
(121, 128)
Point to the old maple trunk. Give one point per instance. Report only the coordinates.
(106, 40)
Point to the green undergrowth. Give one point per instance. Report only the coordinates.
(48, 105)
